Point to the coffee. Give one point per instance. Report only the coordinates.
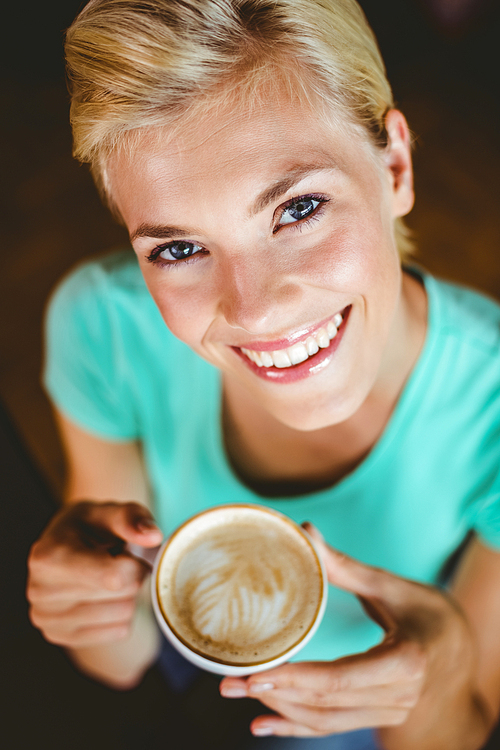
(240, 585)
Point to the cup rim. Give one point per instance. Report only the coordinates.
(296, 646)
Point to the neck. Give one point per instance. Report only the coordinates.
(274, 459)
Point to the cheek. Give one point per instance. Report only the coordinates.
(358, 256)
(187, 311)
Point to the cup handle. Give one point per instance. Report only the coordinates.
(145, 554)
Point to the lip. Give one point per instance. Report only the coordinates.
(311, 366)
(294, 338)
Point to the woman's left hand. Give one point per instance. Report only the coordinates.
(421, 673)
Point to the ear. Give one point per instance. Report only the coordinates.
(397, 158)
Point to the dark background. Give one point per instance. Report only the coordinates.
(442, 60)
(446, 79)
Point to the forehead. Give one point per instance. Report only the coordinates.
(235, 150)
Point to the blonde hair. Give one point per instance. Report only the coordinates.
(135, 64)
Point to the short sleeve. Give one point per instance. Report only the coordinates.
(85, 374)
(487, 522)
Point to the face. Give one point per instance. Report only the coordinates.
(267, 243)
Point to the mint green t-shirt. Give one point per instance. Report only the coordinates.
(113, 368)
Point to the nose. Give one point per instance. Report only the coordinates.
(256, 296)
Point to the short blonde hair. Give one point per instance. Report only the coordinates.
(135, 64)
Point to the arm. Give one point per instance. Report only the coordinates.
(100, 469)
(83, 598)
(461, 707)
(432, 684)
(476, 588)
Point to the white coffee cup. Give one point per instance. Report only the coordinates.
(239, 589)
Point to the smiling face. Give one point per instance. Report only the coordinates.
(267, 243)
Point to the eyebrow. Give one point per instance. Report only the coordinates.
(263, 200)
(286, 183)
(160, 232)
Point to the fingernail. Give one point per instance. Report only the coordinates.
(233, 692)
(262, 731)
(313, 531)
(260, 687)
(146, 524)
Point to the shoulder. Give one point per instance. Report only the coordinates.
(103, 333)
(469, 318)
(102, 309)
(456, 403)
(459, 368)
(116, 274)
(100, 293)
(462, 366)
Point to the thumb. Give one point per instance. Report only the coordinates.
(131, 522)
(376, 588)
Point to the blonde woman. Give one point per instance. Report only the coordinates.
(267, 340)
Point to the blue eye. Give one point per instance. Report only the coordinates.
(179, 250)
(297, 210)
(174, 251)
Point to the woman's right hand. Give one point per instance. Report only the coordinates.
(82, 587)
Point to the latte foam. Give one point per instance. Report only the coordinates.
(239, 585)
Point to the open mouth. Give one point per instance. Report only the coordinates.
(300, 359)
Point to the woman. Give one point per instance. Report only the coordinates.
(253, 152)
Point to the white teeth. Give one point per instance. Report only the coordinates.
(297, 353)
(266, 359)
(251, 354)
(311, 346)
(322, 338)
(257, 359)
(331, 330)
(281, 358)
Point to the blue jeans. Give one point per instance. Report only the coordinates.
(363, 739)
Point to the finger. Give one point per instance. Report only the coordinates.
(297, 721)
(83, 625)
(264, 726)
(380, 613)
(400, 695)
(82, 568)
(350, 574)
(85, 614)
(89, 636)
(60, 598)
(384, 664)
(385, 596)
(329, 720)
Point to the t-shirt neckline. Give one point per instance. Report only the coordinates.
(407, 401)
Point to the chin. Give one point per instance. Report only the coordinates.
(304, 419)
